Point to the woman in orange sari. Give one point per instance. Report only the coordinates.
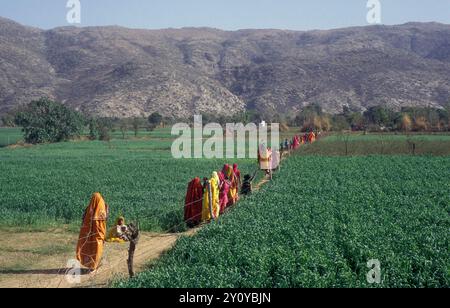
(93, 233)
(235, 184)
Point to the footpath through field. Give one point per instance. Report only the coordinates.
(28, 262)
(40, 259)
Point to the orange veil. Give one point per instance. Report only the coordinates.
(93, 233)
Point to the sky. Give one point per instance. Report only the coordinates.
(224, 14)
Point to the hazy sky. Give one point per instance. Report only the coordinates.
(224, 14)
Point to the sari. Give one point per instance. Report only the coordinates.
(193, 203)
(264, 156)
(211, 205)
(224, 191)
(113, 235)
(92, 233)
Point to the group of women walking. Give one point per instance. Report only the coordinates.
(208, 199)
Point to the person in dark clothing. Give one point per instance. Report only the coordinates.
(247, 187)
(286, 145)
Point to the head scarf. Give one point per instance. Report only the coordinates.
(229, 172)
(221, 176)
(97, 208)
(215, 176)
(225, 168)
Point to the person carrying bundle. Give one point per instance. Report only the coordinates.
(93, 233)
(118, 233)
(193, 203)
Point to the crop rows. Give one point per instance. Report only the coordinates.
(319, 223)
(50, 185)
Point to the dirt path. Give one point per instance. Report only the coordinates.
(39, 260)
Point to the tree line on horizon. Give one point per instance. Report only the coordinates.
(47, 121)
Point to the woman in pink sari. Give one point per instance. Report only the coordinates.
(224, 189)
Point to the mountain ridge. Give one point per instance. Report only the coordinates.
(122, 72)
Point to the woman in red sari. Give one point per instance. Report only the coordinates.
(194, 203)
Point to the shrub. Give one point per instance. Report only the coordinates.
(48, 121)
(104, 127)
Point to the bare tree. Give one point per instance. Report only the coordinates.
(344, 136)
(133, 235)
(123, 128)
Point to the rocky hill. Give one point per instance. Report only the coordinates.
(114, 71)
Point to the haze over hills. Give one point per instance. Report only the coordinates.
(114, 71)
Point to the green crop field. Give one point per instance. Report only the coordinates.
(318, 224)
(10, 136)
(50, 185)
(161, 133)
(382, 144)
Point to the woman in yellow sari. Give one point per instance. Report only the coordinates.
(233, 192)
(92, 233)
(211, 204)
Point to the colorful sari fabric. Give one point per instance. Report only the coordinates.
(234, 187)
(193, 203)
(237, 173)
(225, 169)
(264, 155)
(211, 204)
(224, 192)
(114, 235)
(92, 233)
(296, 143)
(276, 160)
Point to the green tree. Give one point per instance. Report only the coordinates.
(340, 123)
(93, 129)
(136, 123)
(123, 127)
(155, 119)
(104, 127)
(47, 121)
(356, 120)
(7, 120)
(307, 116)
(378, 115)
